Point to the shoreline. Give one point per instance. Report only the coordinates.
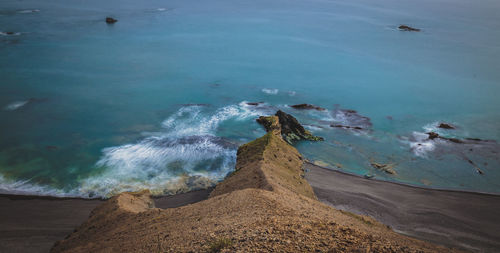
(23, 196)
(402, 183)
(467, 220)
(342, 190)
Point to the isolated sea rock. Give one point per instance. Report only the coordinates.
(290, 129)
(307, 107)
(408, 28)
(445, 126)
(110, 20)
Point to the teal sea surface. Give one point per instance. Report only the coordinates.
(159, 100)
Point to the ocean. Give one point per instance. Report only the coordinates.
(159, 100)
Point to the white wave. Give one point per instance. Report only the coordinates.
(432, 127)
(186, 156)
(28, 11)
(190, 120)
(161, 164)
(10, 33)
(292, 93)
(15, 105)
(420, 144)
(161, 9)
(25, 187)
(270, 91)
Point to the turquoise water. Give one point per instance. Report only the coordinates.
(158, 100)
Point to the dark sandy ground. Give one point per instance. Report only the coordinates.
(452, 218)
(34, 224)
(460, 219)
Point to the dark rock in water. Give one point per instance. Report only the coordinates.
(389, 117)
(387, 168)
(445, 126)
(433, 135)
(307, 107)
(453, 140)
(473, 139)
(350, 119)
(110, 20)
(254, 103)
(347, 127)
(291, 130)
(368, 176)
(10, 33)
(51, 147)
(475, 166)
(408, 28)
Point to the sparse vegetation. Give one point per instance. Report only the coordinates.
(218, 244)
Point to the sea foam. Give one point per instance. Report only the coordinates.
(186, 156)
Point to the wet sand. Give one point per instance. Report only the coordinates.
(452, 218)
(34, 224)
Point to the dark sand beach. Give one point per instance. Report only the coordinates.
(451, 218)
(461, 219)
(34, 224)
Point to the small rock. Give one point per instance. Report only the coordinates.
(387, 168)
(347, 127)
(307, 107)
(110, 20)
(408, 28)
(254, 103)
(446, 126)
(433, 135)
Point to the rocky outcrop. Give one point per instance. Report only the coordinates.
(110, 20)
(292, 131)
(307, 107)
(408, 28)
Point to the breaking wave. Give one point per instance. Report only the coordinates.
(25, 187)
(15, 105)
(187, 156)
(270, 91)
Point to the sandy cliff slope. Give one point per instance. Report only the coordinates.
(264, 206)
